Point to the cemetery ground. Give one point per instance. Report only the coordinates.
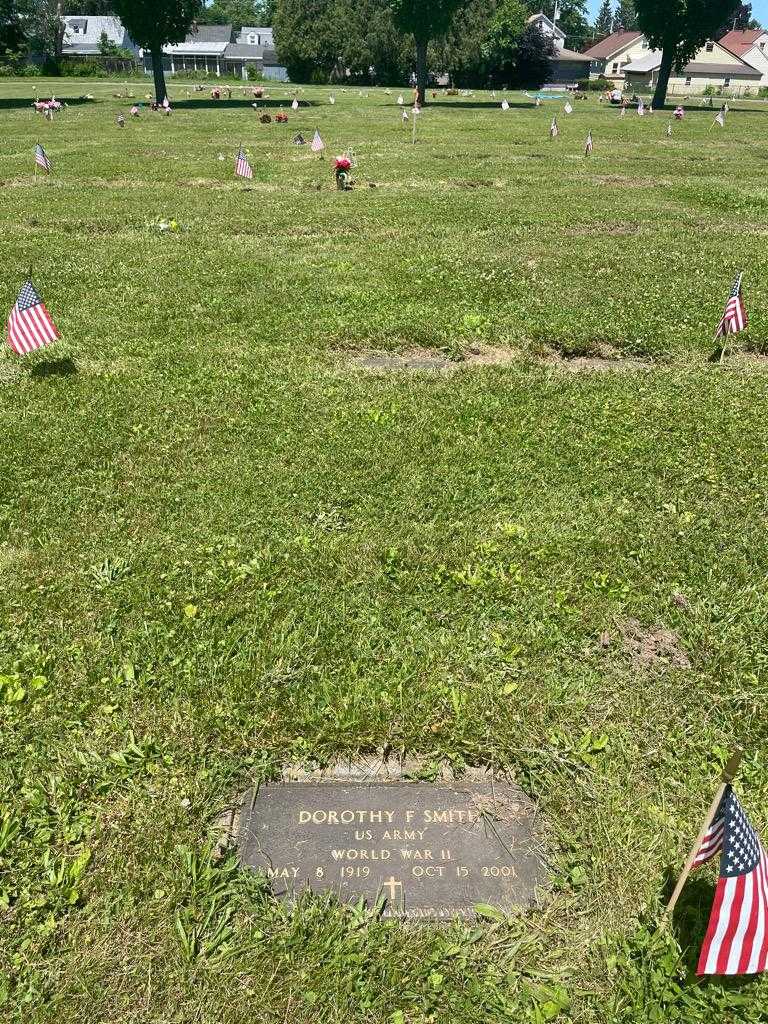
(234, 537)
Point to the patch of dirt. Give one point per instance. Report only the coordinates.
(481, 183)
(654, 648)
(605, 358)
(615, 228)
(416, 359)
(628, 181)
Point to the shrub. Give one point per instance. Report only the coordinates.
(593, 84)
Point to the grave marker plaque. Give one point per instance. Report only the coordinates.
(431, 851)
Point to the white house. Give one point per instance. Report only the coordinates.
(611, 55)
(569, 65)
(751, 45)
(216, 50)
(712, 66)
(82, 35)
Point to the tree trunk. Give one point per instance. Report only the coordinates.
(58, 40)
(660, 96)
(158, 73)
(421, 71)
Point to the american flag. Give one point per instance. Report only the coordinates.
(317, 145)
(568, 108)
(736, 941)
(669, 129)
(29, 325)
(622, 112)
(640, 107)
(735, 317)
(120, 121)
(504, 105)
(41, 159)
(242, 168)
(553, 129)
(588, 147)
(720, 119)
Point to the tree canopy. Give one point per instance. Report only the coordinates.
(425, 20)
(237, 13)
(679, 28)
(604, 19)
(153, 23)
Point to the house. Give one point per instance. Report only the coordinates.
(611, 55)
(713, 66)
(569, 65)
(751, 45)
(215, 50)
(83, 35)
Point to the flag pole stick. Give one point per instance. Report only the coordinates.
(729, 774)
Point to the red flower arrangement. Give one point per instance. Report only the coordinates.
(281, 118)
(342, 166)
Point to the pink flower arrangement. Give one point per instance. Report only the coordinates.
(342, 163)
(281, 118)
(44, 106)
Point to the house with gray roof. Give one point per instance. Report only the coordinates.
(217, 50)
(83, 35)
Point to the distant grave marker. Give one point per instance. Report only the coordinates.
(432, 852)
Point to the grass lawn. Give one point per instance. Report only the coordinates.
(225, 546)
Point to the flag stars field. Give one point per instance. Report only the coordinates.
(444, 466)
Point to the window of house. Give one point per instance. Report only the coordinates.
(615, 67)
(762, 46)
(644, 44)
(253, 39)
(709, 47)
(688, 80)
(726, 81)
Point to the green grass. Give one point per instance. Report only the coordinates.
(223, 548)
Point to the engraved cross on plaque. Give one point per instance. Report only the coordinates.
(392, 884)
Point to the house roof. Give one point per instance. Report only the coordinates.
(571, 55)
(201, 49)
(83, 32)
(649, 62)
(741, 40)
(210, 34)
(244, 51)
(612, 44)
(742, 68)
(653, 61)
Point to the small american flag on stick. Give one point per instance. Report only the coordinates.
(242, 168)
(317, 145)
(553, 129)
(29, 325)
(41, 159)
(588, 147)
(736, 941)
(735, 317)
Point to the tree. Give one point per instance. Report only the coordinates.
(604, 20)
(534, 59)
(307, 38)
(504, 33)
(679, 28)
(425, 20)
(626, 16)
(463, 51)
(740, 19)
(236, 13)
(44, 25)
(11, 31)
(154, 23)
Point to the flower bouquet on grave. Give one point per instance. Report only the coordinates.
(342, 171)
(265, 119)
(281, 117)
